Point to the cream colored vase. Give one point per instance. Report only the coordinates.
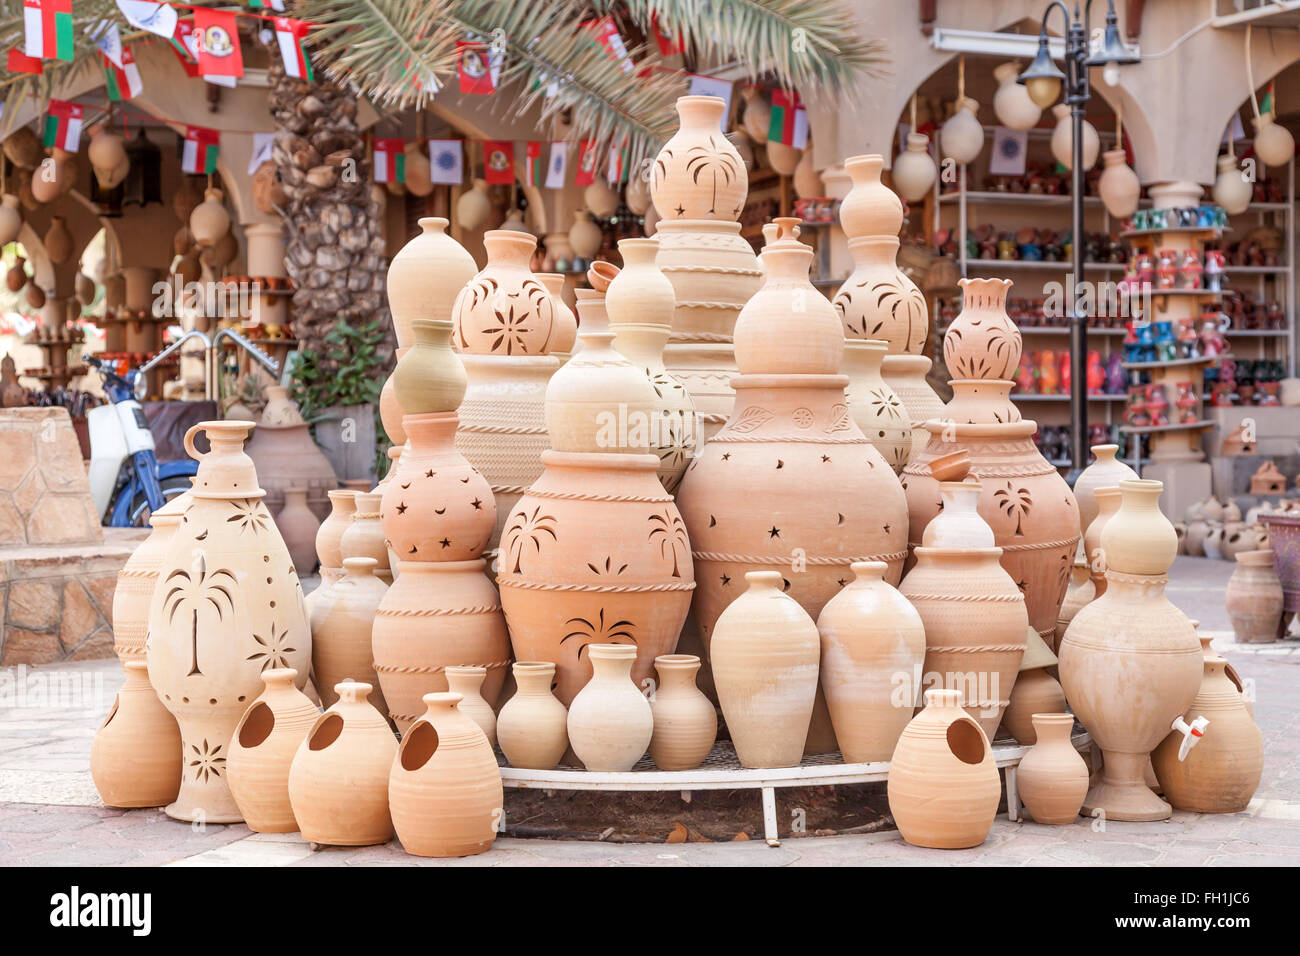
(1106, 471)
(467, 681)
(877, 410)
(425, 277)
(532, 727)
(610, 721)
(698, 174)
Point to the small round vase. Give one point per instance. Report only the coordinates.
(982, 341)
(364, 537)
(876, 409)
(425, 277)
(467, 681)
(1106, 471)
(879, 301)
(299, 527)
(610, 721)
(685, 723)
(429, 376)
(958, 523)
(265, 740)
(135, 758)
(504, 309)
(870, 208)
(341, 624)
(1119, 186)
(1139, 539)
(1052, 777)
(1254, 598)
(533, 726)
(698, 174)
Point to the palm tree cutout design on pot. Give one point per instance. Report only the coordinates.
(994, 357)
(194, 590)
(1014, 503)
(670, 531)
(524, 528)
(272, 650)
(711, 161)
(598, 631)
(206, 760)
(890, 302)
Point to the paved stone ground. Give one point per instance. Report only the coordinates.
(50, 813)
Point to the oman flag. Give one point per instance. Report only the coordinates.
(534, 168)
(48, 29)
(789, 124)
(586, 173)
(202, 147)
(20, 62)
(289, 34)
(63, 125)
(390, 161)
(123, 82)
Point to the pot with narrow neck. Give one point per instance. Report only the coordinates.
(685, 723)
(879, 301)
(504, 309)
(877, 410)
(698, 174)
(1106, 471)
(425, 277)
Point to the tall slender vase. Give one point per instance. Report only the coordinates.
(425, 277)
(1106, 471)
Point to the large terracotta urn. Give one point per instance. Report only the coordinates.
(286, 456)
(1106, 471)
(698, 174)
(135, 758)
(227, 607)
(532, 724)
(504, 309)
(137, 579)
(610, 722)
(876, 407)
(1254, 598)
(341, 625)
(425, 277)
(267, 737)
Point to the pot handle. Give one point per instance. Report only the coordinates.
(189, 442)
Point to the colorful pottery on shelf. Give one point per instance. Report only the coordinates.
(265, 740)
(504, 309)
(135, 758)
(1106, 471)
(685, 723)
(1254, 598)
(425, 277)
(532, 727)
(610, 722)
(1052, 778)
(341, 624)
(876, 408)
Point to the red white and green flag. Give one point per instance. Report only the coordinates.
(605, 32)
(63, 125)
(534, 168)
(789, 124)
(289, 34)
(123, 82)
(184, 45)
(1268, 100)
(390, 161)
(20, 62)
(585, 174)
(47, 28)
(670, 41)
(276, 5)
(202, 147)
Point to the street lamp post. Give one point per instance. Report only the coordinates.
(1043, 81)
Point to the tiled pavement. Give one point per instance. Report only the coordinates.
(51, 814)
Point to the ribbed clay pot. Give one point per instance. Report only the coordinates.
(872, 649)
(1052, 777)
(341, 625)
(425, 277)
(943, 786)
(298, 526)
(429, 376)
(267, 737)
(445, 787)
(504, 309)
(877, 410)
(879, 301)
(135, 758)
(532, 727)
(286, 456)
(136, 581)
(685, 723)
(467, 681)
(610, 721)
(1106, 471)
(698, 174)
(1254, 598)
(364, 537)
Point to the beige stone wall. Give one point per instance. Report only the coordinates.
(57, 606)
(44, 496)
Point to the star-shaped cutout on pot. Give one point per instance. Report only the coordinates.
(401, 508)
(429, 473)
(725, 580)
(775, 532)
(478, 504)
(445, 542)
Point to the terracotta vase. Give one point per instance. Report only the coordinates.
(878, 301)
(425, 277)
(763, 340)
(429, 376)
(286, 456)
(343, 505)
(981, 401)
(1052, 777)
(58, 241)
(877, 410)
(595, 552)
(504, 309)
(870, 208)
(341, 624)
(364, 537)
(585, 236)
(1081, 592)
(298, 526)
(982, 341)
(943, 786)
(227, 607)
(906, 375)
(564, 331)
(872, 649)
(338, 780)
(1036, 691)
(532, 727)
(390, 412)
(698, 174)
(1139, 539)
(975, 620)
(136, 581)
(685, 723)
(958, 523)
(1108, 501)
(437, 614)
(265, 740)
(1254, 598)
(765, 653)
(1221, 773)
(1106, 471)
(445, 787)
(11, 218)
(135, 758)
(610, 721)
(1062, 142)
(1119, 186)
(467, 681)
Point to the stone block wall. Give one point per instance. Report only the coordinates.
(44, 495)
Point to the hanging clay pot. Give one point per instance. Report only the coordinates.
(637, 194)
(16, 277)
(1063, 138)
(504, 310)
(298, 526)
(136, 581)
(1232, 189)
(1254, 598)
(186, 198)
(338, 780)
(877, 301)
(764, 652)
(11, 218)
(50, 179)
(1012, 103)
(1106, 471)
(364, 537)
(532, 727)
(418, 181)
(23, 148)
(340, 630)
(757, 117)
(268, 190)
(84, 288)
(209, 221)
(425, 277)
(914, 171)
(685, 723)
(1107, 502)
(1221, 773)
(943, 786)
(610, 721)
(35, 295)
(783, 159)
(467, 681)
(1119, 187)
(600, 199)
(1052, 777)
(1274, 144)
(982, 341)
(585, 236)
(58, 241)
(564, 331)
(221, 253)
(227, 607)
(286, 455)
(1081, 592)
(135, 758)
(962, 136)
(474, 206)
(807, 182)
(875, 407)
(1035, 691)
(267, 737)
(872, 641)
(699, 174)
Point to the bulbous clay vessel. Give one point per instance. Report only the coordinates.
(265, 740)
(343, 505)
(763, 341)
(364, 537)
(983, 342)
(533, 726)
(286, 456)
(429, 376)
(1035, 691)
(1106, 471)
(136, 580)
(437, 614)
(958, 523)
(504, 309)
(425, 277)
(765, 653)
(467, 681)
(685, 723)
(564, 331)
(1081, 592)
(594, 553)
(975, 620)
(298, 526)
(445, 788)
(390, 412)
(610, 721)
(870, 208)
(227, 607)
(943, 786)
(878, 301)
(1254, 599)
(135, 759)
(906, 375)
(981, 401)
(1108, 501)
(1139, 539)
(1052, 778)
(876, 409)
(1221, 773)
(698, 174)
(341, 623)
(338, 781)
(872, 649)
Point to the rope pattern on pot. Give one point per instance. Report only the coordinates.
(969, 598)
(699, 337)
(975, 649)
(1042, 545)
(596, 588)
(813, 438)
(504, 429)
(137, 573)
(714, 270)
(438, 611)
(718, 306)
(508, 490)
(437, 669)
(785, 559)
(578, 496)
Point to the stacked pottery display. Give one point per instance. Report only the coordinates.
(1130, 662)
(227, 607)
(1106, 471)
(135, 758)
(286, 456)
(503, 324)
(437, 515)
(699, 185)
(262, 749)
(1023, 498)
(878, 300)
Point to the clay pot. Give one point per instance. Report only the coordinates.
(962, 136)
(11, 218)
(135, 758)
(1221, 773)
(1232, 190)
(1274, 144)
(445, 788)
(764, 652)
(958, 523)
(16, 277)
(1012, 103)
(1139, 539)
(35, 295)
(1107, 501)
(364, 537)
(533, 726)
(871, 637)
(1106, 471)
(473, 206)
(338, 780)
(299, 527)
(265, 741)
(429, 376)
(600, 199)
(975, 620)
(981, 401)
(209, 221)
(85, 289)
(1035, 692)
(1119, 186)
(870, 208)
(713, 271)
(763, 341)
(877, 410)
(758, 114)
(905, 374)
(610, 721)
(504, 310)
(914, 170)
(136, 581)
(1254, 598)
(564, 330)
(23, 148)
(417, 179)
(53, 177)
(585, 236)
(685, 723)
(227, 607)
(698, 174)
(1212, 540)
(879, 301)
(637, 194)
(783, 159)
(58, 241)
(1081, 592)
(341, 623)
(468, 683)
(343, 504)
(983, 342)
(943, 786)
(1052, 777)
(425, 277)
(807, 182)
(287, 457)
(1062, 143)
(390, 412)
